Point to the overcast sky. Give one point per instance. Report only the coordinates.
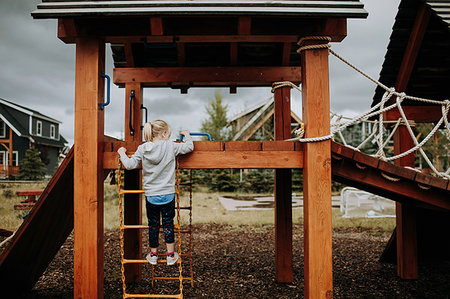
(37, 71)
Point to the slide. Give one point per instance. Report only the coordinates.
(42, 233)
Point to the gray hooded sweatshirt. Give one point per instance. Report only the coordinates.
(158, 164)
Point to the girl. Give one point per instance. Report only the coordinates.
(157, 155)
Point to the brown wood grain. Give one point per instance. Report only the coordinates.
(406, 215)
(88, 170)
(283, 188)
(416, 113)
(133, 181)
(238, 76)
(42, 232)
(243, 146)
(241, 159)
(278, 145)
(317, 176)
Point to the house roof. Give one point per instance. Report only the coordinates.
(6, 109)
(28, 111)
(259, 115)
(431, 72)
(305, 8)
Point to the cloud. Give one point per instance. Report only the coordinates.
(37, 71)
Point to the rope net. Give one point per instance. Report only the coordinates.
(379, 135)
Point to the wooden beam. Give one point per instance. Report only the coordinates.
(420, 114)
(132, 29)
(370, 179)
(181, 54)
(406, 216)
(129, 54)
(317, 175)
(239, 76)
(242, 159)
(244, 25)
(156, 26)
(283, 191)
(412, 48)
(132, 181)
(67, 30)
(286, 54)
(211, 39)
(88, 171)
(229, 159)
(230, 154)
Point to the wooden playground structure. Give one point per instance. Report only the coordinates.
(219, 45)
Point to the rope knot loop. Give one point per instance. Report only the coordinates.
(318, 45)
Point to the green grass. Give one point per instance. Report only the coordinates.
(206, 210)
(11, 219)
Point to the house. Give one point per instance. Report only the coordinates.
(20, 128)
(257, 123)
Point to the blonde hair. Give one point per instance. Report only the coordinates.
(156, 128)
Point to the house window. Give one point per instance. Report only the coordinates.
(39, 128)
(52, 131)
(2, 129)
(4, 158)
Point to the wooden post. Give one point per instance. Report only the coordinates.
(317, 176)
(88, 169)
(283, 191)
(406, 232)
(133, 181)
(406, 217)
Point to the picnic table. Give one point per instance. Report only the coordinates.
(30, 199)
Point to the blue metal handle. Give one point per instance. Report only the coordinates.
(197, 134)
(108, 90)
(132, 94)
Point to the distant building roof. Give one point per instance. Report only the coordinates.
(19, 126)
(431, 71)
(305, 8)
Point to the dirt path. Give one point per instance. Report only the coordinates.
(237, 262)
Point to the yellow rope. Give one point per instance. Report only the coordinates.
(177, 194)
(119, 184)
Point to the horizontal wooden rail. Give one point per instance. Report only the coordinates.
(228, 154)
(204, 76)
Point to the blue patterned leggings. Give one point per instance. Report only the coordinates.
(167, 211)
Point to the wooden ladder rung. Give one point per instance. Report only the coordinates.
(131, 191)
(135, 261)
(152, 296)
(164, 261)
(133, 226)
(185, 208)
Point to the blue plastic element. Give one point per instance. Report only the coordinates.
(108, 90)
(132, 94)
(197, 134)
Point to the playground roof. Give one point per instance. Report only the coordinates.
(308, 8)
(431, 70)
(198, 34)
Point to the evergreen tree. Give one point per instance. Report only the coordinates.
(31, 167)
(216, 123)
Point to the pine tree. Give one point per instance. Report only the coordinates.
(31, 167)
(216, 123)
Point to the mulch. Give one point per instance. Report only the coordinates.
(238, 262)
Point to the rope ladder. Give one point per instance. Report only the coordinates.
(178, 229)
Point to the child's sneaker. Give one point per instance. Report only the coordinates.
(152, 258)
(172, 259)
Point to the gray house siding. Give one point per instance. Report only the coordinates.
(22, 118)
(45, 127)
